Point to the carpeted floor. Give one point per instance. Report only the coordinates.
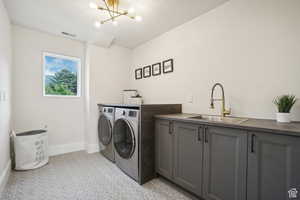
(81, 176)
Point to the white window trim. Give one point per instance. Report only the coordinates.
(78, 75)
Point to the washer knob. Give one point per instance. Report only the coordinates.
(124, 112)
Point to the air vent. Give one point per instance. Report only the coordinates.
(68, 34)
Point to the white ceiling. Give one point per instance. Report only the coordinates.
(75, 16)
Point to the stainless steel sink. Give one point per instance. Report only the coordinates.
(214, 118)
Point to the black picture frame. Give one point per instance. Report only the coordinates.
(147, 71)
(156, 67)
(138, 73)
(168, 66)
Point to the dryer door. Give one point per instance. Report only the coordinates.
(104, 130)
(124, 139)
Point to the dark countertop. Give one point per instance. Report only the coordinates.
(262, 125)
(119, 105)
(132, 105)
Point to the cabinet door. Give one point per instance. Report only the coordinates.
(188, 156)
(225, 165)
(273, 167)
(164, 148)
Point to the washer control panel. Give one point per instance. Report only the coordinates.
(109, 112)
(127, 113)
(132, 113)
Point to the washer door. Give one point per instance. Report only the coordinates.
(124, 139)
(104, 130)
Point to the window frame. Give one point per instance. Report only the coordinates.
(77, 59)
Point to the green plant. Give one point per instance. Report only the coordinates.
(285, 103)
(63, 82)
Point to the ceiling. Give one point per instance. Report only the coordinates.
(75, 17)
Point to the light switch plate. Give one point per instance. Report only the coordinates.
(190, 98)
(4, 95)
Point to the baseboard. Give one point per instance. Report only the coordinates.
(65, 148)
(92, 148)
(4, 176)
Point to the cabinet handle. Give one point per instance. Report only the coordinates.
(205, 135)
(170, 128)
(199, 133)
(252, 143)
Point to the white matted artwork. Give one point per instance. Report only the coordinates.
(168, 66)
(138, 73)
(147, 71)
(156, 69)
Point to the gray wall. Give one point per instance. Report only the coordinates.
(251, 46)
(5, 79)
(31, 110)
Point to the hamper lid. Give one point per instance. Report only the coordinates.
(34, 132)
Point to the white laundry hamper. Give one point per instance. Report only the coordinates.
(30, 149)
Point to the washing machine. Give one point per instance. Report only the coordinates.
(105, 132)
(125, 139)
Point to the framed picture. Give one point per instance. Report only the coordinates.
(168, 66)
(138, 73)
(147, 71)
(156, 69)
(61, 75)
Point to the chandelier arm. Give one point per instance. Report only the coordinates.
(116, 12)
(113, 12)
(112, 17)
(131, 17)
(117, 9)
(113, 8)
(104, 21)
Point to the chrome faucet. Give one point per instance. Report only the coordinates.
(224, 112)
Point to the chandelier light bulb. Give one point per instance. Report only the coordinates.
(115, 23)
(93, 5)
(131, 10)
(97, 24)
(138, 18)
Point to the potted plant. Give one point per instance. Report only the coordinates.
(284, 105)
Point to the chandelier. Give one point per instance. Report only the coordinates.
(112, 8)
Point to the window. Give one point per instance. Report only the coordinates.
(61, 75)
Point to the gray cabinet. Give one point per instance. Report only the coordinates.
(219, 163)
(225, 164)
(164, 148)
(179, 154)
(188, 156)
(273, 166)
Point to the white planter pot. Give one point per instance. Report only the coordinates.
(283, 117)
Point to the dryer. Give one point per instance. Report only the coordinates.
(105, 132)
(126, 141)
